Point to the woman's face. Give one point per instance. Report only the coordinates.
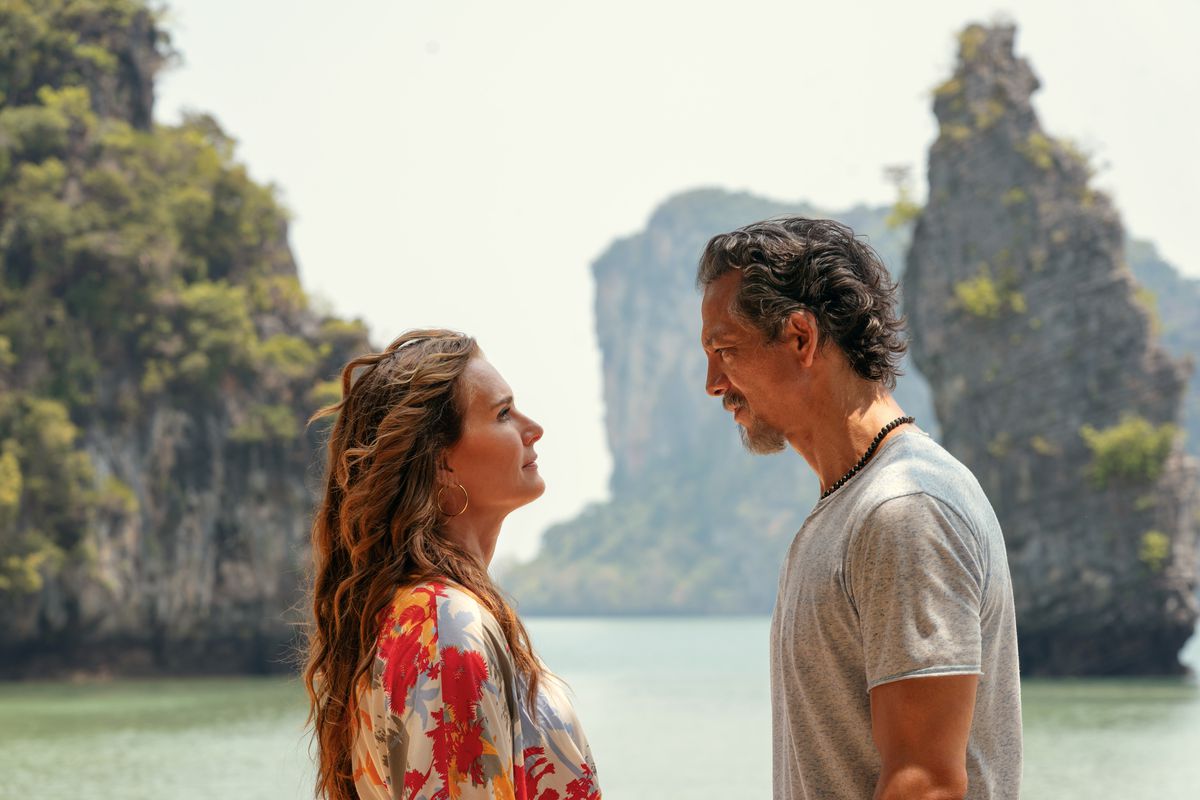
(494, 459)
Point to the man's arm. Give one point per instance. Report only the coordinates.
(920, 727)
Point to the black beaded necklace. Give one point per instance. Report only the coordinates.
(862, 462)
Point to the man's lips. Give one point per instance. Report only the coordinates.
(530, 463)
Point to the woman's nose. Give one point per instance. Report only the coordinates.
(534, 433)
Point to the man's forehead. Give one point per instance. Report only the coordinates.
(716, 308)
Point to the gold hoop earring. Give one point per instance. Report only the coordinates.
(466, 501)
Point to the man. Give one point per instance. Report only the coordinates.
(893, 642)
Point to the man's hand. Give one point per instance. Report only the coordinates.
(921, 726)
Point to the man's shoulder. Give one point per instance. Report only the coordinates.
(918, 471)
(916, 466)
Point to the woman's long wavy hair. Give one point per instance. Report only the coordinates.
(378, 528)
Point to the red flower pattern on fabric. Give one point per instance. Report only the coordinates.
(421, 685)
(583, 788)
(463, 673)
(458, 735)
(406, 654)
(537, 767)
(414, 781)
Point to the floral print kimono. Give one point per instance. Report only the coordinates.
(443, 714)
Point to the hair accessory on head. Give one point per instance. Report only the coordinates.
(466, 501)
(395, 350)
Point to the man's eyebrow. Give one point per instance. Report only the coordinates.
(503, 401)
(712, 336)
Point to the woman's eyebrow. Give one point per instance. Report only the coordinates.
(503, 402)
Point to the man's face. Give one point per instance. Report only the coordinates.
(747, 372)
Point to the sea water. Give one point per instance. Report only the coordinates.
(673, 707)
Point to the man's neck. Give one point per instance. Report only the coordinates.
(836, 436)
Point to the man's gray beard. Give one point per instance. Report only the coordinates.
(761, 439)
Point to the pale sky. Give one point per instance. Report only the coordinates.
(461, 164)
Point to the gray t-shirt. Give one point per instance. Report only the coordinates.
(899, 574)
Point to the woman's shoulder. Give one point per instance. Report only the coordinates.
(440, 595)
(452, 615)
(434, 637)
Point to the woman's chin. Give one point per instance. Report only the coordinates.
(537, 487)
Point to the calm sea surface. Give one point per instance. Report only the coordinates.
(674, 708)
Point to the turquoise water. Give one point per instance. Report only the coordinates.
(674, 708)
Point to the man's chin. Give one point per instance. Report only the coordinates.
(762, 440)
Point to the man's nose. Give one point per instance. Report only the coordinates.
(715, 383)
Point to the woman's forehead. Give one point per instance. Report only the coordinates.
(484, 384)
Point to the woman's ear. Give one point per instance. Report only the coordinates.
(445, 472)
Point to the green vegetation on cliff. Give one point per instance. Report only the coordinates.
(140, 267)
(47, 481)
(985, 297)
(1132, 451)
(1154, 550)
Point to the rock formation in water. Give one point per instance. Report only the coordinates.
(1049, 380)
(695, 523)
(158, 361)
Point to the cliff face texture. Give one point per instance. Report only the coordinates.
(1049, 380)
(158, 361)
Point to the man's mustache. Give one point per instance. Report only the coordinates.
(732, 402)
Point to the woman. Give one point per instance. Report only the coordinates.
(422, 679)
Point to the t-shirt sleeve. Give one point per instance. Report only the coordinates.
(916, 578)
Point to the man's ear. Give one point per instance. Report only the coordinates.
(801, 334)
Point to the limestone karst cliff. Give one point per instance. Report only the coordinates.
(158, 361)
(1049, 378)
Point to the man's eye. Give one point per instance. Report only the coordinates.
(504, 413)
